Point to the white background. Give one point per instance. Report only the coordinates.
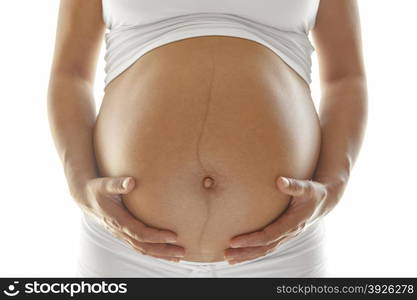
(370, 233)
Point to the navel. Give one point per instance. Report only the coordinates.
(208, 182)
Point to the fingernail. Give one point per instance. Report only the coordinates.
(179, 254)
(285, 181)
(171, 239)
(229, 257)
(236, 244)
(125, 183)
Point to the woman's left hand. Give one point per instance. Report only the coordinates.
(309, 201)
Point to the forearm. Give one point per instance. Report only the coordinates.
(72, 114)
(343, 118)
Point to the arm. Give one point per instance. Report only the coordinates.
(71, 105)
(343, 105)
(72, 115)
(343, 115)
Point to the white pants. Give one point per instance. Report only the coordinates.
(102, 255)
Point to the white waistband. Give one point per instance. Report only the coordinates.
(96, 233)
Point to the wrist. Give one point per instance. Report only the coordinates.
(78, 172)
(78, 189)
(335, 187)
(338, 181)
(78, 178)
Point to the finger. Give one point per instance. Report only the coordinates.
(143, 233)
(166, 250)
(118, 234)
(114, 185)
(174, 259)
(295, 187)
(124, 221)
(253, 239)
(284, 225)
(247, 253)
(275, 245)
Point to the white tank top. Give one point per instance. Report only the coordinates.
(135, 27)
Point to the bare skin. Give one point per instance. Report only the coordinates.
(207, 108)
(205, 137)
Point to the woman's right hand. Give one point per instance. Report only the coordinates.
(101, 198)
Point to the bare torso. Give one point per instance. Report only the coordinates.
(223, 108)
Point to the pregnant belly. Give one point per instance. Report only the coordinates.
(206, 125)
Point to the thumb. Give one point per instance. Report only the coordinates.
(291, 186)
(116, 185)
